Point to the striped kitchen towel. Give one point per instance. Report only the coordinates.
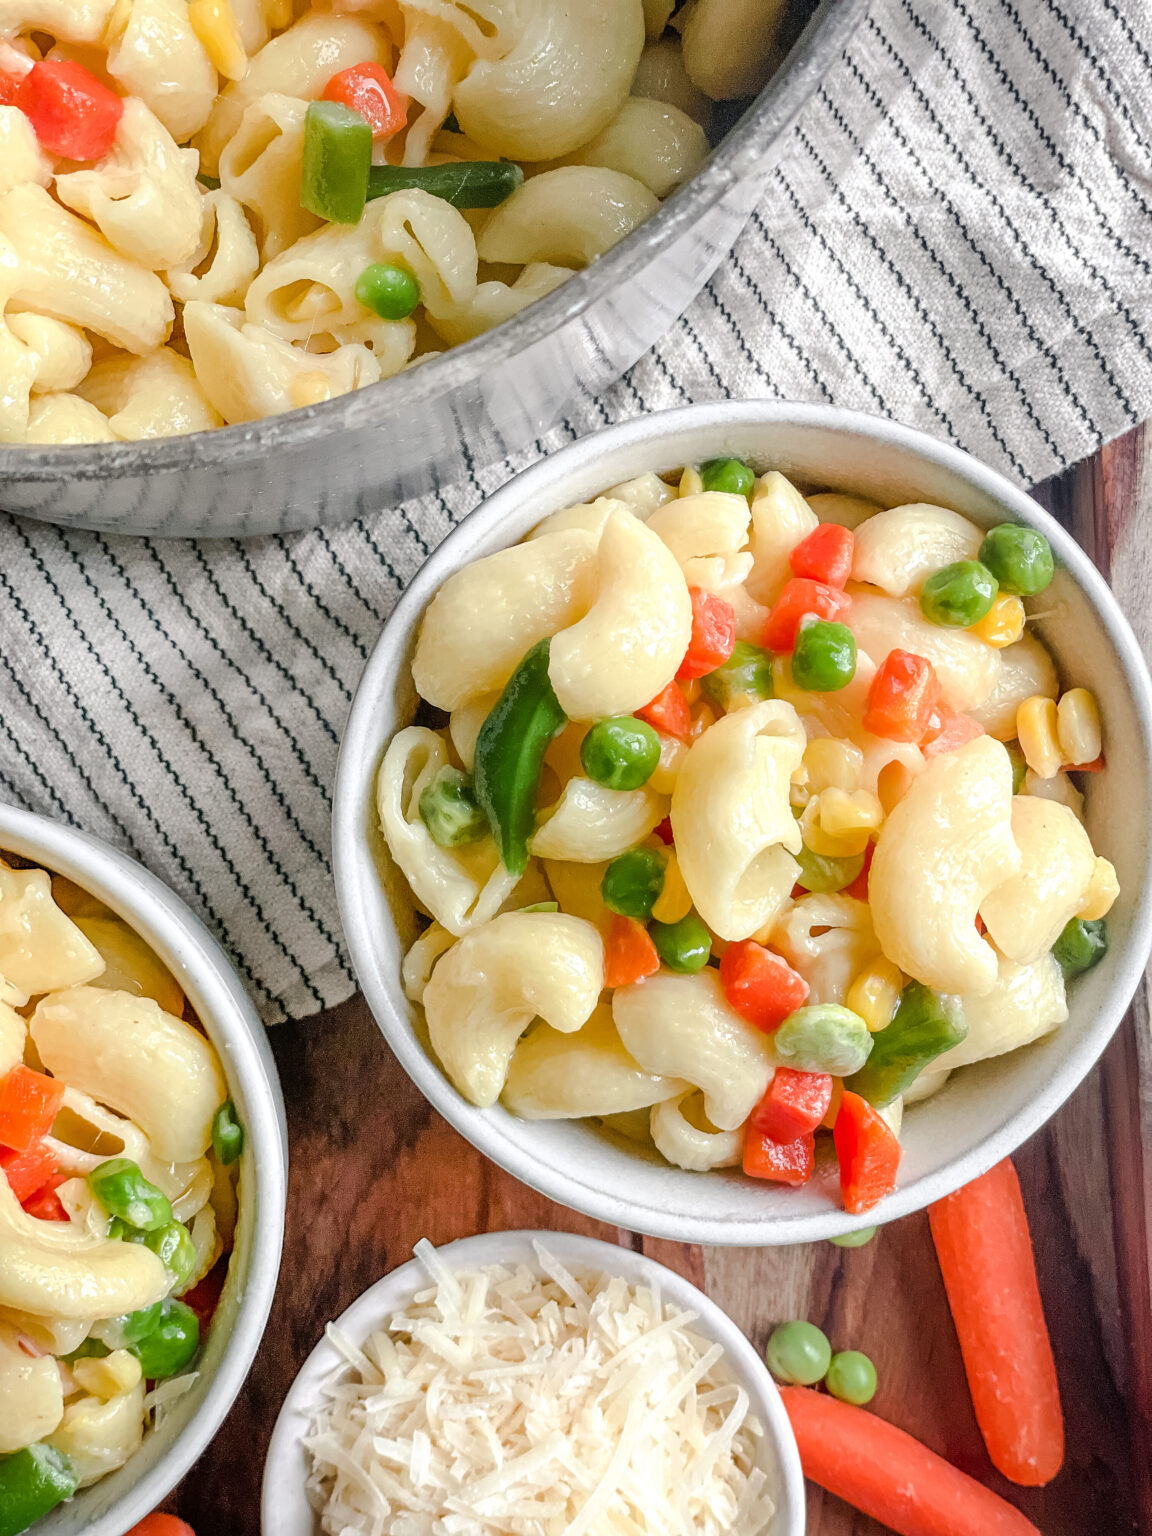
(957, 235)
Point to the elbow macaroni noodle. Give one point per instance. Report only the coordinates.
(188, 239)
(781, 817)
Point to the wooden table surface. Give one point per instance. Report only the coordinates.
(374, 1169)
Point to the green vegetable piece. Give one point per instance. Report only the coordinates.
(820, 874)
(745, 678)
(391, 291)
(32, 1482)
(621, 752)
(1019, 558)
(798, 1354)
(824, 657)
(859, 1239)
(167, 1348)
(633, 882)
(1081, 945)
(683, 946)
(959, 595)
(731, 475)
(1019, 765)
(823, 1037)
(336, 160)
(124, 1192)
(227, 1134)
(212, 183)
(449, 809)
(851, 1377)
(924, 1026)
(471, 184)
(510, 754)
(173, 1244)
(541, 906)
(128, 1329)
(89, 1349)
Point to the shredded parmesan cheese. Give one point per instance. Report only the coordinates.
(528, 1401)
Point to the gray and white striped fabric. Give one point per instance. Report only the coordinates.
(957, 235)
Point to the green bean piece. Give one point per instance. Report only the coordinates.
(450, 810)
(820, 874)
(1081, 945)
(335, 162)
(390, 291)
(227, 1134)
(745, 678)
(541, 906)
(823, 1037)
(510, 755)
(633, 882)
(168, 1347)
(959, 595)
(684, 946)
(858, 1239)
(730, 475)
(924, 1026)
(620, 752)
(851, 1377)
(798, 1354)
(124, 1192)
(1019, 765)
(824, 656)
(32, 1482)
(1020, 558)
(470, 184)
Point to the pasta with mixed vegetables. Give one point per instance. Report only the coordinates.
(118, 1190)
(742, 817)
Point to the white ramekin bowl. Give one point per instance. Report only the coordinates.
(113, 1505)
(985, 1111)
(285, 1510)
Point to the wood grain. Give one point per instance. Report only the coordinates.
(373, 1169)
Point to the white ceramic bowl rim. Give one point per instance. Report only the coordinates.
(352, 861)
(285, 1510)
(206, 975)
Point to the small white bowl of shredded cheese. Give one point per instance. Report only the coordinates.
(532, 1384)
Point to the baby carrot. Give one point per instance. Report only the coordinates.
(888, 1475)
(985, 1253)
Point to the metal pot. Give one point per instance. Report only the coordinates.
(417, 431)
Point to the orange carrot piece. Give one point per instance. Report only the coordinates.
(629, 953)
(985, 1253)
(888, 1475)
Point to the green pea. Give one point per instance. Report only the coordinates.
(174, 1246)
(851, 1377)
(798, 1354)
(959, 595)
(1019, 558)
(168, 1347)
(124, 1192)
(88, 1349)
(128, 1329)
(227, 1134)
(744, 678)
(633, 882)
(621, 752)
(824, 657)
(449, 809)
(859, 1239)
(1019, 765)
(820, 874)
(683, 946)
(32, 1482)
(1081, 945)
(389, 290)
(823, 1037)
(731, 475)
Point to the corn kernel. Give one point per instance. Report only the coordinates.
(832, 763)
(673, 751)
(875, 993)
(892, 783)
(842, 814)
(1036, 730)
(690, 482)
(214, 23)
(111, 1377)
(825, 843)
(1078, 727)
(310, 389)
(1003, 624)
(674, 902)
(1103, 890)
(702, 717)
(278, 13)
(829, 1120)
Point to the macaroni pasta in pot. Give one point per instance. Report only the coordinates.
(118, 1190)
(215, 210)
(742, 818)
